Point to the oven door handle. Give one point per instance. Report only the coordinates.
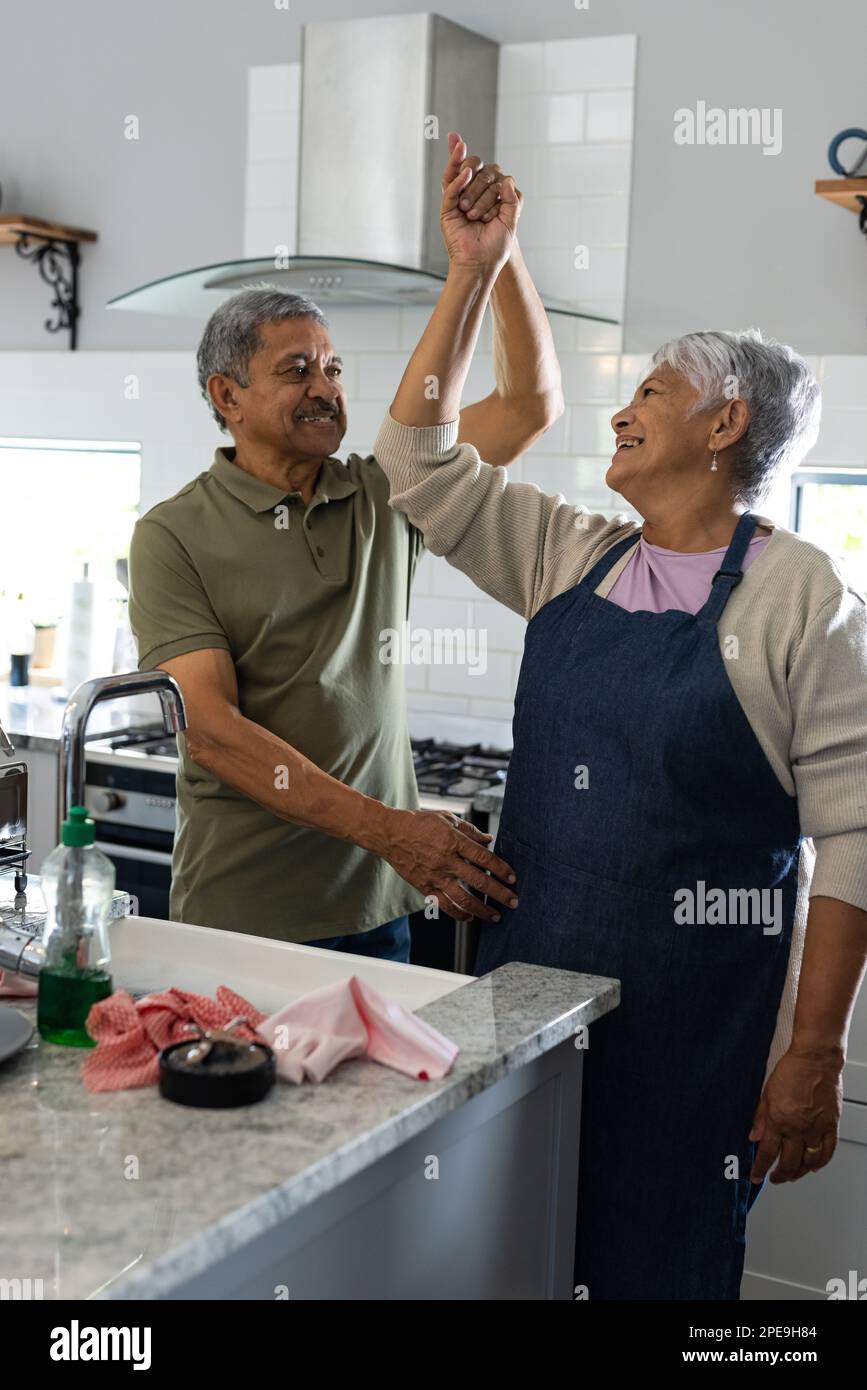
(145, 856)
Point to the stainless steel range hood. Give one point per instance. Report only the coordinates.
(378, 97)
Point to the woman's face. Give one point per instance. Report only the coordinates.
(661, 449)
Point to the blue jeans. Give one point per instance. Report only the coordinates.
(391, 941)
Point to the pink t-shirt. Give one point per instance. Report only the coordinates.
(655, 580)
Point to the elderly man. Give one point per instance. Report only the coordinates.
(264, 585)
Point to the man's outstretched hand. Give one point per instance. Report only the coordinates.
(446, 858)
(480, 209)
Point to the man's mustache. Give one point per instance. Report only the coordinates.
(320, 410)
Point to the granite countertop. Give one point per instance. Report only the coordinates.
(32, 716)
(126, 1194)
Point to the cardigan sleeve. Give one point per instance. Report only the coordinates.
(828, 691)
(505, 535)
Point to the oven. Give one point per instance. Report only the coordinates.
(130, 794)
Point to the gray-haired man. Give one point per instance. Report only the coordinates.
(263, 586)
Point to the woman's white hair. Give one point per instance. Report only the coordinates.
(782, 393)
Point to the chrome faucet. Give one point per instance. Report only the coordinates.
(77, 713)
(21, 946)
(6, 743)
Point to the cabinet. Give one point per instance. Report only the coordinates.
(41, 803)
(802, 1234)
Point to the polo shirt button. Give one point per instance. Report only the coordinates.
(319, 550)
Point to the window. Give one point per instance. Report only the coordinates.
(67, 503)
(829, 508)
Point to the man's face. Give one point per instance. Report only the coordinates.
(295, 401)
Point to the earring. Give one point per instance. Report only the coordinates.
(713, 467)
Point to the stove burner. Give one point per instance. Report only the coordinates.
(457, 770)
(166, 748)
(148, 741)
(441, 769)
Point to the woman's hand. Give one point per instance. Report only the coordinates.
(799, 1110)
(480, 210)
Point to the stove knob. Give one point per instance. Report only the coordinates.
(107, 801)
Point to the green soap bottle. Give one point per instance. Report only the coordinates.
(77, 883)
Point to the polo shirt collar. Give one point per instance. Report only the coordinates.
(335, 482)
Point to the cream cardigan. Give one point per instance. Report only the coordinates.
(801, 638)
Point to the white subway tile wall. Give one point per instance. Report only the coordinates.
(273, 124)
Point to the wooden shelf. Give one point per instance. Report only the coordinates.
(843, 192)
(11, 228)
(53, 248)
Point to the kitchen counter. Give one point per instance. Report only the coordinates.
(32, 716)
(126, 1195)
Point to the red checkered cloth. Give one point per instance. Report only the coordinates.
(130, 1034)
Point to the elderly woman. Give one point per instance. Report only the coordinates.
(691, 713)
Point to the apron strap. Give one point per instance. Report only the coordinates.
(730, 572)
(594, 577)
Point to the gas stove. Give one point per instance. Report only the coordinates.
(134, 748)
(452, 770)
(456, 770)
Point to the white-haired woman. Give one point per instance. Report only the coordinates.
(691, 712)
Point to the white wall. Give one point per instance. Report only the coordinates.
(721, 237)
(87, 395)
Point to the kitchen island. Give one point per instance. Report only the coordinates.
(370, 1185)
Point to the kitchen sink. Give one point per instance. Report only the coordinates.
(149, 954)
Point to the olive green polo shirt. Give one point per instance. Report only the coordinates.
(299, 596)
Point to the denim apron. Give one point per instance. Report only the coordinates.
(636, 777)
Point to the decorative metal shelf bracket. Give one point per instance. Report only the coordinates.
(57, 262)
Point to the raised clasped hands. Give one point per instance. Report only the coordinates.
(480, 210)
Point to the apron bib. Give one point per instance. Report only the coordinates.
(653, 842)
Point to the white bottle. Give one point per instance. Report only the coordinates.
(79, 651)
(21, 633)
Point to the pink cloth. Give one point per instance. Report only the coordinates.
(655, 580)
(15, 985)
(310, 1036)
(351, 1019)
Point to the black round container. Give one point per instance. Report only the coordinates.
(231, 1073)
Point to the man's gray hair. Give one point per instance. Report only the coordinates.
(778, 386)
(231, 334)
